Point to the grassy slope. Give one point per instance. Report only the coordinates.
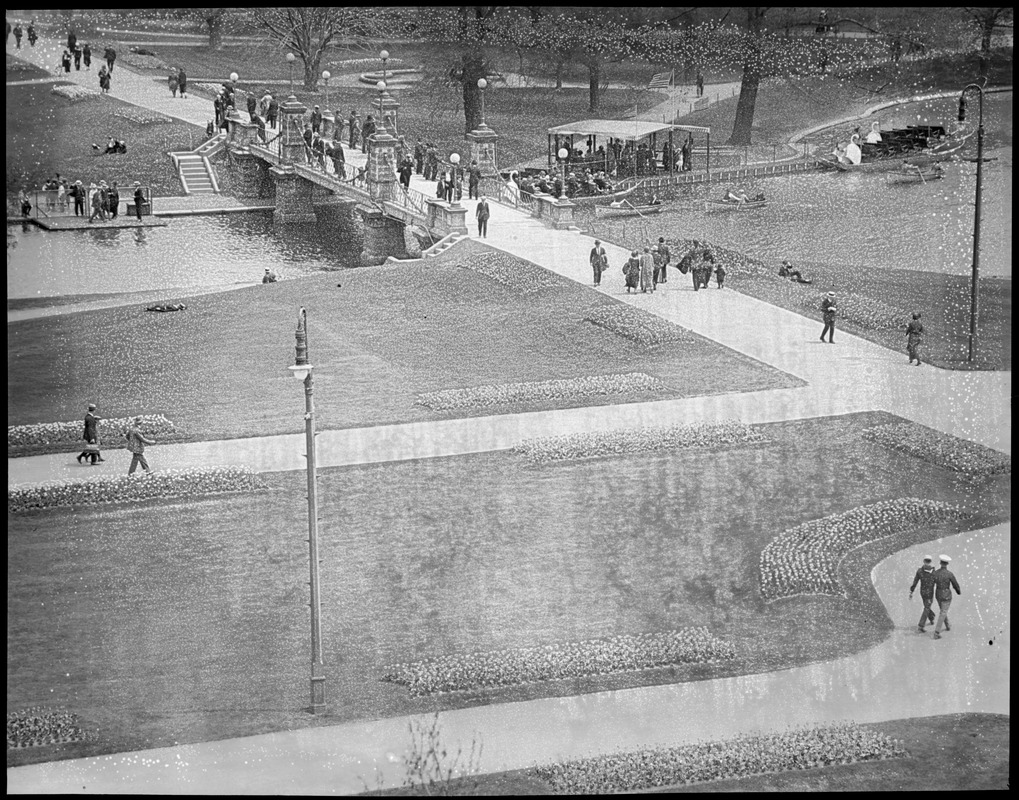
(964, 752)
(47, 134)
(219, 369)
(19, 70)
(210, 598)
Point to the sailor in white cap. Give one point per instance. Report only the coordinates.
(828, 312)
(925, 577)
(944, 583)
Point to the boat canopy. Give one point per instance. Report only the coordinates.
(626, 130)
(625, 143)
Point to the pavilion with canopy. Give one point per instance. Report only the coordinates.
(630, 147)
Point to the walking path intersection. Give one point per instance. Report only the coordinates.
(899, 678)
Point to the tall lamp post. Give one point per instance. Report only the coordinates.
(302, 370)
(974, 297)
(454, 161)
(482, 85)
(384, 55)
(563, 154)
(381, 86)
(290, 60)
(326, 75)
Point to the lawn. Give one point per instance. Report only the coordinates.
(157, 618)
(219, 369)
(19, 70)
(47, 134)
(971, 752)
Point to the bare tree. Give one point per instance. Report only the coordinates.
(987, 21)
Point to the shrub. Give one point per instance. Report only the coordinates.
(637, 325)
(749, 754)
(33, 727)
(941, 449)
(503, 393)
(642, 440)
(111, 431)
(554, 662)
(74, 92)
(804, 559)
(133, 488)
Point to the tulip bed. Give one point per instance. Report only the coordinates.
(110, 431)
(866, 312)
(133, 488)
(143, 62)
(804, 559)
(140, 116)
(533, 391)
(550, 449)
(637, 325)
(514, 273)
(844, 743)
(558, 661)
(33, 727)
(74, 92)
(940, 448)
(352, 64)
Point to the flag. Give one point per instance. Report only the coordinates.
(630, 113)
(661, 80)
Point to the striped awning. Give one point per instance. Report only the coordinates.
(661, 80)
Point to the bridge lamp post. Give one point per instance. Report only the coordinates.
(482, 85)
(974, 296)
(563, 155)
(381, 86)
(454, 160)
(384, 55)
(290, 61)
(302, 370)
(326, 75)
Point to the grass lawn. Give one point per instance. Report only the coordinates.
(177, 622)
(970, 752)
(47, 134)
(218, 370)
(19, 70)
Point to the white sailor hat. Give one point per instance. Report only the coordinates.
(944, 559)
(928, 558)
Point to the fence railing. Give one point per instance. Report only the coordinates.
(52, 203)
(514, 197)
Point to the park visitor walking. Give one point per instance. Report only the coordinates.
(182, 83)
(173, 83)
(925, 577)
(136, 441)
(914, 338)
(86, 55)
(599, 261)
(666, 256)
(111, 56)
(647, 271)
(18, 33)
(631, 270)
(139, 200)
(828, 311)
(483, 213)
(91, 437)
(944, 583)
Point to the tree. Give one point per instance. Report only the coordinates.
(309, 30)
(753, 69)
(217, 20)
(986, 21)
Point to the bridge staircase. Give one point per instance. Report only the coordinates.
(197, 175)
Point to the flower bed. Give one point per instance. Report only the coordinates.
(34, 727)
(554, 662)
(804, 559)
(512, 272)
(111, 431)
(74, 92)
(143, 61)
(636, 324)
(941, 449)
(845, 743)
(504, 393)
(643, 440)
(133, 488)
(354, 64)
(211, 89)
(140, 116)
(866, 312)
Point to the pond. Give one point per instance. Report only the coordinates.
(190, 254)
(862, 218)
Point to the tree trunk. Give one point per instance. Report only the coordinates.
(311, 72)
(987, 30)
(594, 82)
(752, 68)
(559, 75)
(215, 32)
(473, 69)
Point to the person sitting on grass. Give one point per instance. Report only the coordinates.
(269, 276)
(167, 307)
(787, 270)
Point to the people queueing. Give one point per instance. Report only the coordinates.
(914, 338)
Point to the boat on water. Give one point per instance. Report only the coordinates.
(597, 200)
(912, 173)
(624, 208)
(914, 145)
(734, 205)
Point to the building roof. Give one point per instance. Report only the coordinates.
(620, 128)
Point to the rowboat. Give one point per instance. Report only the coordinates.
(624, 208)
(915, 145)
(724, 205)
(597, 199)
(912, 173)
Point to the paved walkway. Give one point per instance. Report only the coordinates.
(908, 675)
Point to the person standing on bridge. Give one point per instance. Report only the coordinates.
(431, 162)
(944, 582)
(316, 119)
(473, 181)
(339, 160)
(252, 105)
(406, 170)
(419, 157)
(367, 132)
(353, 128)
(483, 213)
(925, 577)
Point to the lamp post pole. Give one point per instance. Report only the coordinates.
(974, 297)
(482, 85)
(563, 154)
(290, 61)
(326, 75)
(302, 369)
(381, 86)
(454, 161)
(384, 55)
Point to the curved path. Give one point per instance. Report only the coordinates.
(908, 675)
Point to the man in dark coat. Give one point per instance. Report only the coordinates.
(253, 108)
(367, 132)
(139, 200)
(91, 437)
(925, 577)
(431, 162)
(86, 55)
(599, 261)
(316, 120)
(483, 213)
(182, 83)
(110, 55)
(665, 256)
(113, 200)
(77, 59)
(914, 337)
(829, 310)
(473, 180)
(272, 113)
(78, 195)
(72, 40)
(339, 160)
(419, 157)
(406, 170)
(687, 151)
(944, 582)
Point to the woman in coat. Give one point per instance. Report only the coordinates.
(631, 269)
(647, 271)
